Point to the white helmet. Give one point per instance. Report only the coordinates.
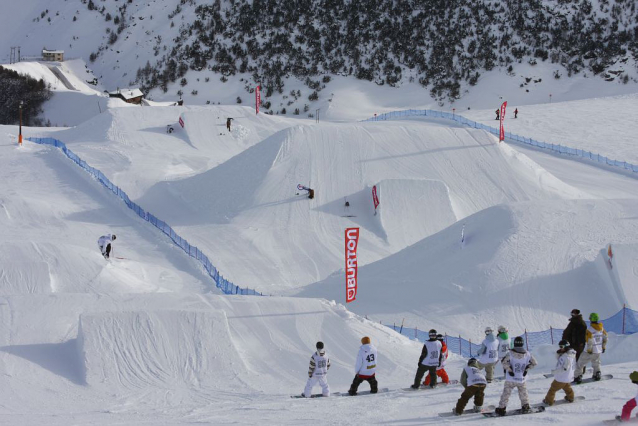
(502, 329)
(488, 330)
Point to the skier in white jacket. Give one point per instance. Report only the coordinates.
(563, 373)
(488, 354)
(318, 372)
(365, 368)
(104, 242)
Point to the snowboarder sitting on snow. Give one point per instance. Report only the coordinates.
(488, 354)
(563, 373)
(596, 338)
(631, 404)
(228, 120)
(365, 367)
(474, 383)
(318, 372)
(430, 359)
(516, 364)
(104, 242)
(575, 333)
(440, 371)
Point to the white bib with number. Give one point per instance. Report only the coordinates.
(434, 352)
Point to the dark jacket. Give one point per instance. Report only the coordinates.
(575, 332)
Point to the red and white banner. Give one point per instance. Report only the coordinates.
(352, 241)
(501, 136)
(181, 122)
(257, 98)
(375, 198)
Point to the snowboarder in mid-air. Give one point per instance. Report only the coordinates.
(430, 359)
(474, 383)
(318, 372)
(104, 242)
(516, 363)
(365, 367)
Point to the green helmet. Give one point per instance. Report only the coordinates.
(634, 377)
(593, 317)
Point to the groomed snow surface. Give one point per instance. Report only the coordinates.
(147, 339)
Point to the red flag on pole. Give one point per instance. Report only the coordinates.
(257, 98)
(352, 241)
(375, 198)
(501, 136)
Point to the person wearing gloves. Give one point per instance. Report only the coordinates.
(575, 332)
(365, 368)
(563, 373)
(430, 360)
(516, 363)
(104, 242)
(631, 404)
(440, 371)
(474, 383)
(596, 338)
(488, 354)
(318, 372)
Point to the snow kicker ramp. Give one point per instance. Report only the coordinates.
(250, 203)
(624, 272)
(524, 265)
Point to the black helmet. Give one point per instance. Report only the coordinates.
(519, 342)
(319, 345)
(472, 362)
(112, 237)
(439, 337)
(432, 334)
(563, 344)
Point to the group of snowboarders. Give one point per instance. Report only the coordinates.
(579, 346)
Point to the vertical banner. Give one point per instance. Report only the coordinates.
(501, 136)
(375, 198)
(610, 256)
(352, 241)
(181, 122)
(257, 98)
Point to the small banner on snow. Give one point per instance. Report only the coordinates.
(501, 135)
(352, 241)
(375, 198)
(181, 122)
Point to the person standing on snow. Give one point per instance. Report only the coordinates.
(440, 371)
(228, 120)
(430, 359)
(498, 114)
(504, 343)
(575, 333)
(563, 373)
(488, 354)
(516, 113)
(318, 372)
(631, 404)
(104, 242)
(474, 383)
(516, 363)
(596, 338)
(365, 368)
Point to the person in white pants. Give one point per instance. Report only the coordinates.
(318, 372)
(516, 364)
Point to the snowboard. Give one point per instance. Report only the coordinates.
(559, 402)
(382, 390)
(617, 420)
(534, 410)
(314, 395)
(485, 409)
(438, 385)
(591, 379)
(550, 375)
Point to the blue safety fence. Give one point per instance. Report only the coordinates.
(222, 283)
(623, 322)
(561, 149)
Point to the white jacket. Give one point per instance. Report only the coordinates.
(366, 364)
(104, 240)
(565, 367)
